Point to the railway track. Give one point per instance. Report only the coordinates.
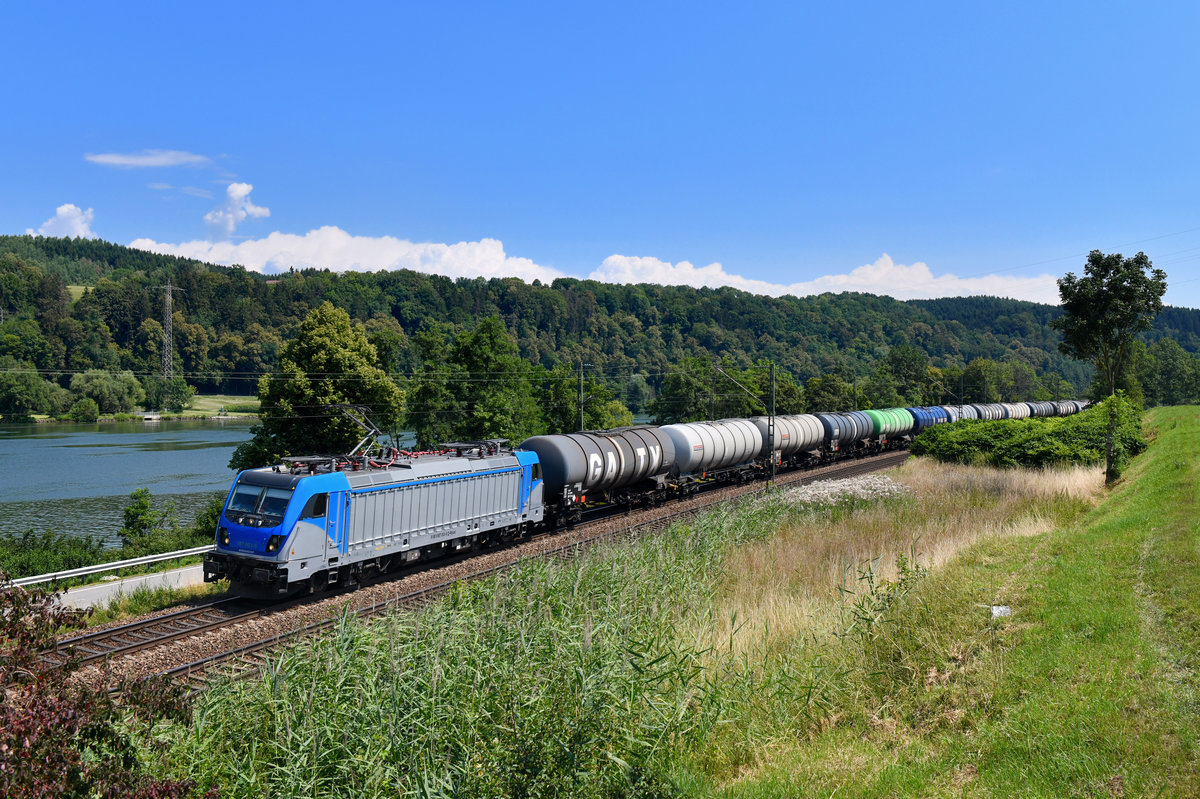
(244, 660)
(147, 633)
(108, 645)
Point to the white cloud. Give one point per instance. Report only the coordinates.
(193, 191)
(160, 186)
(223, 221)
(148, 158)
(333, 248)
(904, 282)
(69, 221)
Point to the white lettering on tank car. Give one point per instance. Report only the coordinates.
(596, 466)
(641, 456)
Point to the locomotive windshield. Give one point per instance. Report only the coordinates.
(261, 502)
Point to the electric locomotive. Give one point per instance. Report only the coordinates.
(314, 521)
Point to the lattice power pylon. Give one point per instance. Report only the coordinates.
(168, 346)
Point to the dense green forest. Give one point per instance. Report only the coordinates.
(83, 319)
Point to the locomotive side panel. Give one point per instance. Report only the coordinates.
(396, 518)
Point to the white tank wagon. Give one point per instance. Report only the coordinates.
(577, 464)
(703, 447)
(1041, 409)
(990, 411)
(794, 434)
(966, 412)
(1017, 410)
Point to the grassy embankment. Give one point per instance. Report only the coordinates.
(713, 659)
(1088, 689)
(765, 652)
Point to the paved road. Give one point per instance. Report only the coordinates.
(86, 596)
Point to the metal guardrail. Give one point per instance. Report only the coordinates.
(113, 566)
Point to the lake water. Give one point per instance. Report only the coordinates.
(76, 478)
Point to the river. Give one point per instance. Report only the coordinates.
(76, 478)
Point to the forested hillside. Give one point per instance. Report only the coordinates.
(72, 305)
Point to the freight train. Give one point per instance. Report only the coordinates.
(317, 521)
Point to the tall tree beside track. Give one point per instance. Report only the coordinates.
(329, 362)
(433, 411)
(497, 391)
(1103, 310)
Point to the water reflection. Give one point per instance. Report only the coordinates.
(77, 477)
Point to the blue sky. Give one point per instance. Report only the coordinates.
(908, 149)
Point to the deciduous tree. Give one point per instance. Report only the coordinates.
(329, 362)
(1103, 310)
(1106, 307)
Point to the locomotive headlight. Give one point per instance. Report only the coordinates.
(223, 535)
(274, 543)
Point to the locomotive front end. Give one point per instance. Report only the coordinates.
(268, 518)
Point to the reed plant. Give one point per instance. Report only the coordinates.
(653, 669)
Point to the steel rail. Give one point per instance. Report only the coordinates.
(252, 654)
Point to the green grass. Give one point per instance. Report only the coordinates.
(1088, 689)
(666, 668)
(76, 292)
(149, 600)
(212, 404)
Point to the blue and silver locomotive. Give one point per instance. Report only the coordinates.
(321, 521)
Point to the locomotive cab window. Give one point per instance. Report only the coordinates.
(245, 499)
(266, 504)
(315, 507)
(274, 503)
(537, 471)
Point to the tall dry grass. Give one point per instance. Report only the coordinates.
(797, 582)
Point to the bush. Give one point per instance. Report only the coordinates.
(86, 410)
(59, 737)
(1077, 439)
(169, 395)
(30, 553)
(114, 392)
(150, 532)
(147, 531)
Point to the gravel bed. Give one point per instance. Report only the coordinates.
(829, 492)
(188, 650)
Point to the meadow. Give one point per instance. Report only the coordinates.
(777, 648)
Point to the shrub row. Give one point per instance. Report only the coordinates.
(1078, 439)
(146, 532)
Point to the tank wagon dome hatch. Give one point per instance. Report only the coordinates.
(602, 460)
